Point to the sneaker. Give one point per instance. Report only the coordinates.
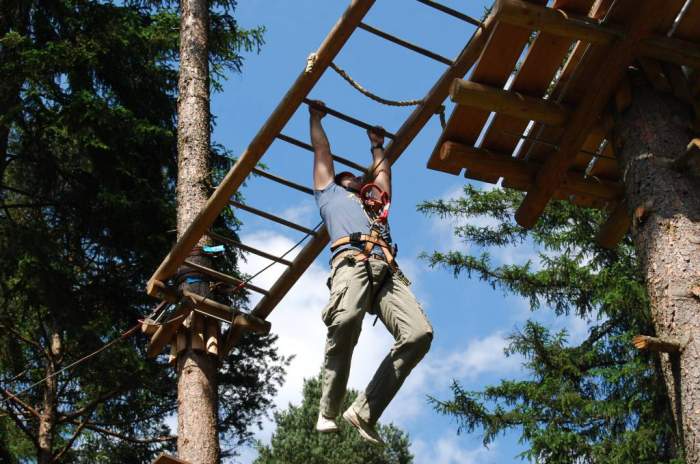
(326, 425)
(366, 431)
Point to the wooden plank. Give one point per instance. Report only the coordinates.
(509, 103)
(330, 47)
(600, 89)
(500, 54)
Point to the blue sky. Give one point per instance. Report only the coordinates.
(471, 319)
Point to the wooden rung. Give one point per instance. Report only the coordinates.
(451, 12)
(403, 43)
(272, 217)
(167, 459)
(283, 181)
(345, 117)
(522, 172)
(645, 342)
(220, 276)
(248, 248)
(515, 104)
(615, 228)
(306, 146)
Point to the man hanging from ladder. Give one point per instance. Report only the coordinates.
(364, 279)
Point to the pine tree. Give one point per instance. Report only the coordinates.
(87, 175)
(598, 401)
(296, 441)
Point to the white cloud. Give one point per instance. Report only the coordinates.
(478, 358)
(448, 450)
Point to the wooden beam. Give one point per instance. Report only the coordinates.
(671, 50)
(221, 277)
(523, 173)
(554, 21)
(506, 102)
(645, 342)
(615, 228)
(272, 217)
(286, 108)
(599, 91)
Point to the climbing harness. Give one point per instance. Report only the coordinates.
(376, 204)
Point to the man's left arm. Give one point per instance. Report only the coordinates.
(381, 169)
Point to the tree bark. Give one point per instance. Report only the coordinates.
(665, 202)
(198, 439)
(47, 415)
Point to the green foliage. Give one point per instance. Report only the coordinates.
(600, 401)
(87, 177)
(296, 441)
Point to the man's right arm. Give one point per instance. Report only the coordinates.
(323, 161)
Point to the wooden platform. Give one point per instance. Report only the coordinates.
(536, 112)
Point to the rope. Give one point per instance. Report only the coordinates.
(112, 342)
(369, 94)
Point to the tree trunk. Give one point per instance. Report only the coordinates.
(666, 231)
(47, 415)
(198, 440)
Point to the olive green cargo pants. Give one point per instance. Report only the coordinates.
(351, 297)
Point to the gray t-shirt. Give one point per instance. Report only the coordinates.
(343, 214)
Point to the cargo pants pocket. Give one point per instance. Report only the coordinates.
(334, 302)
